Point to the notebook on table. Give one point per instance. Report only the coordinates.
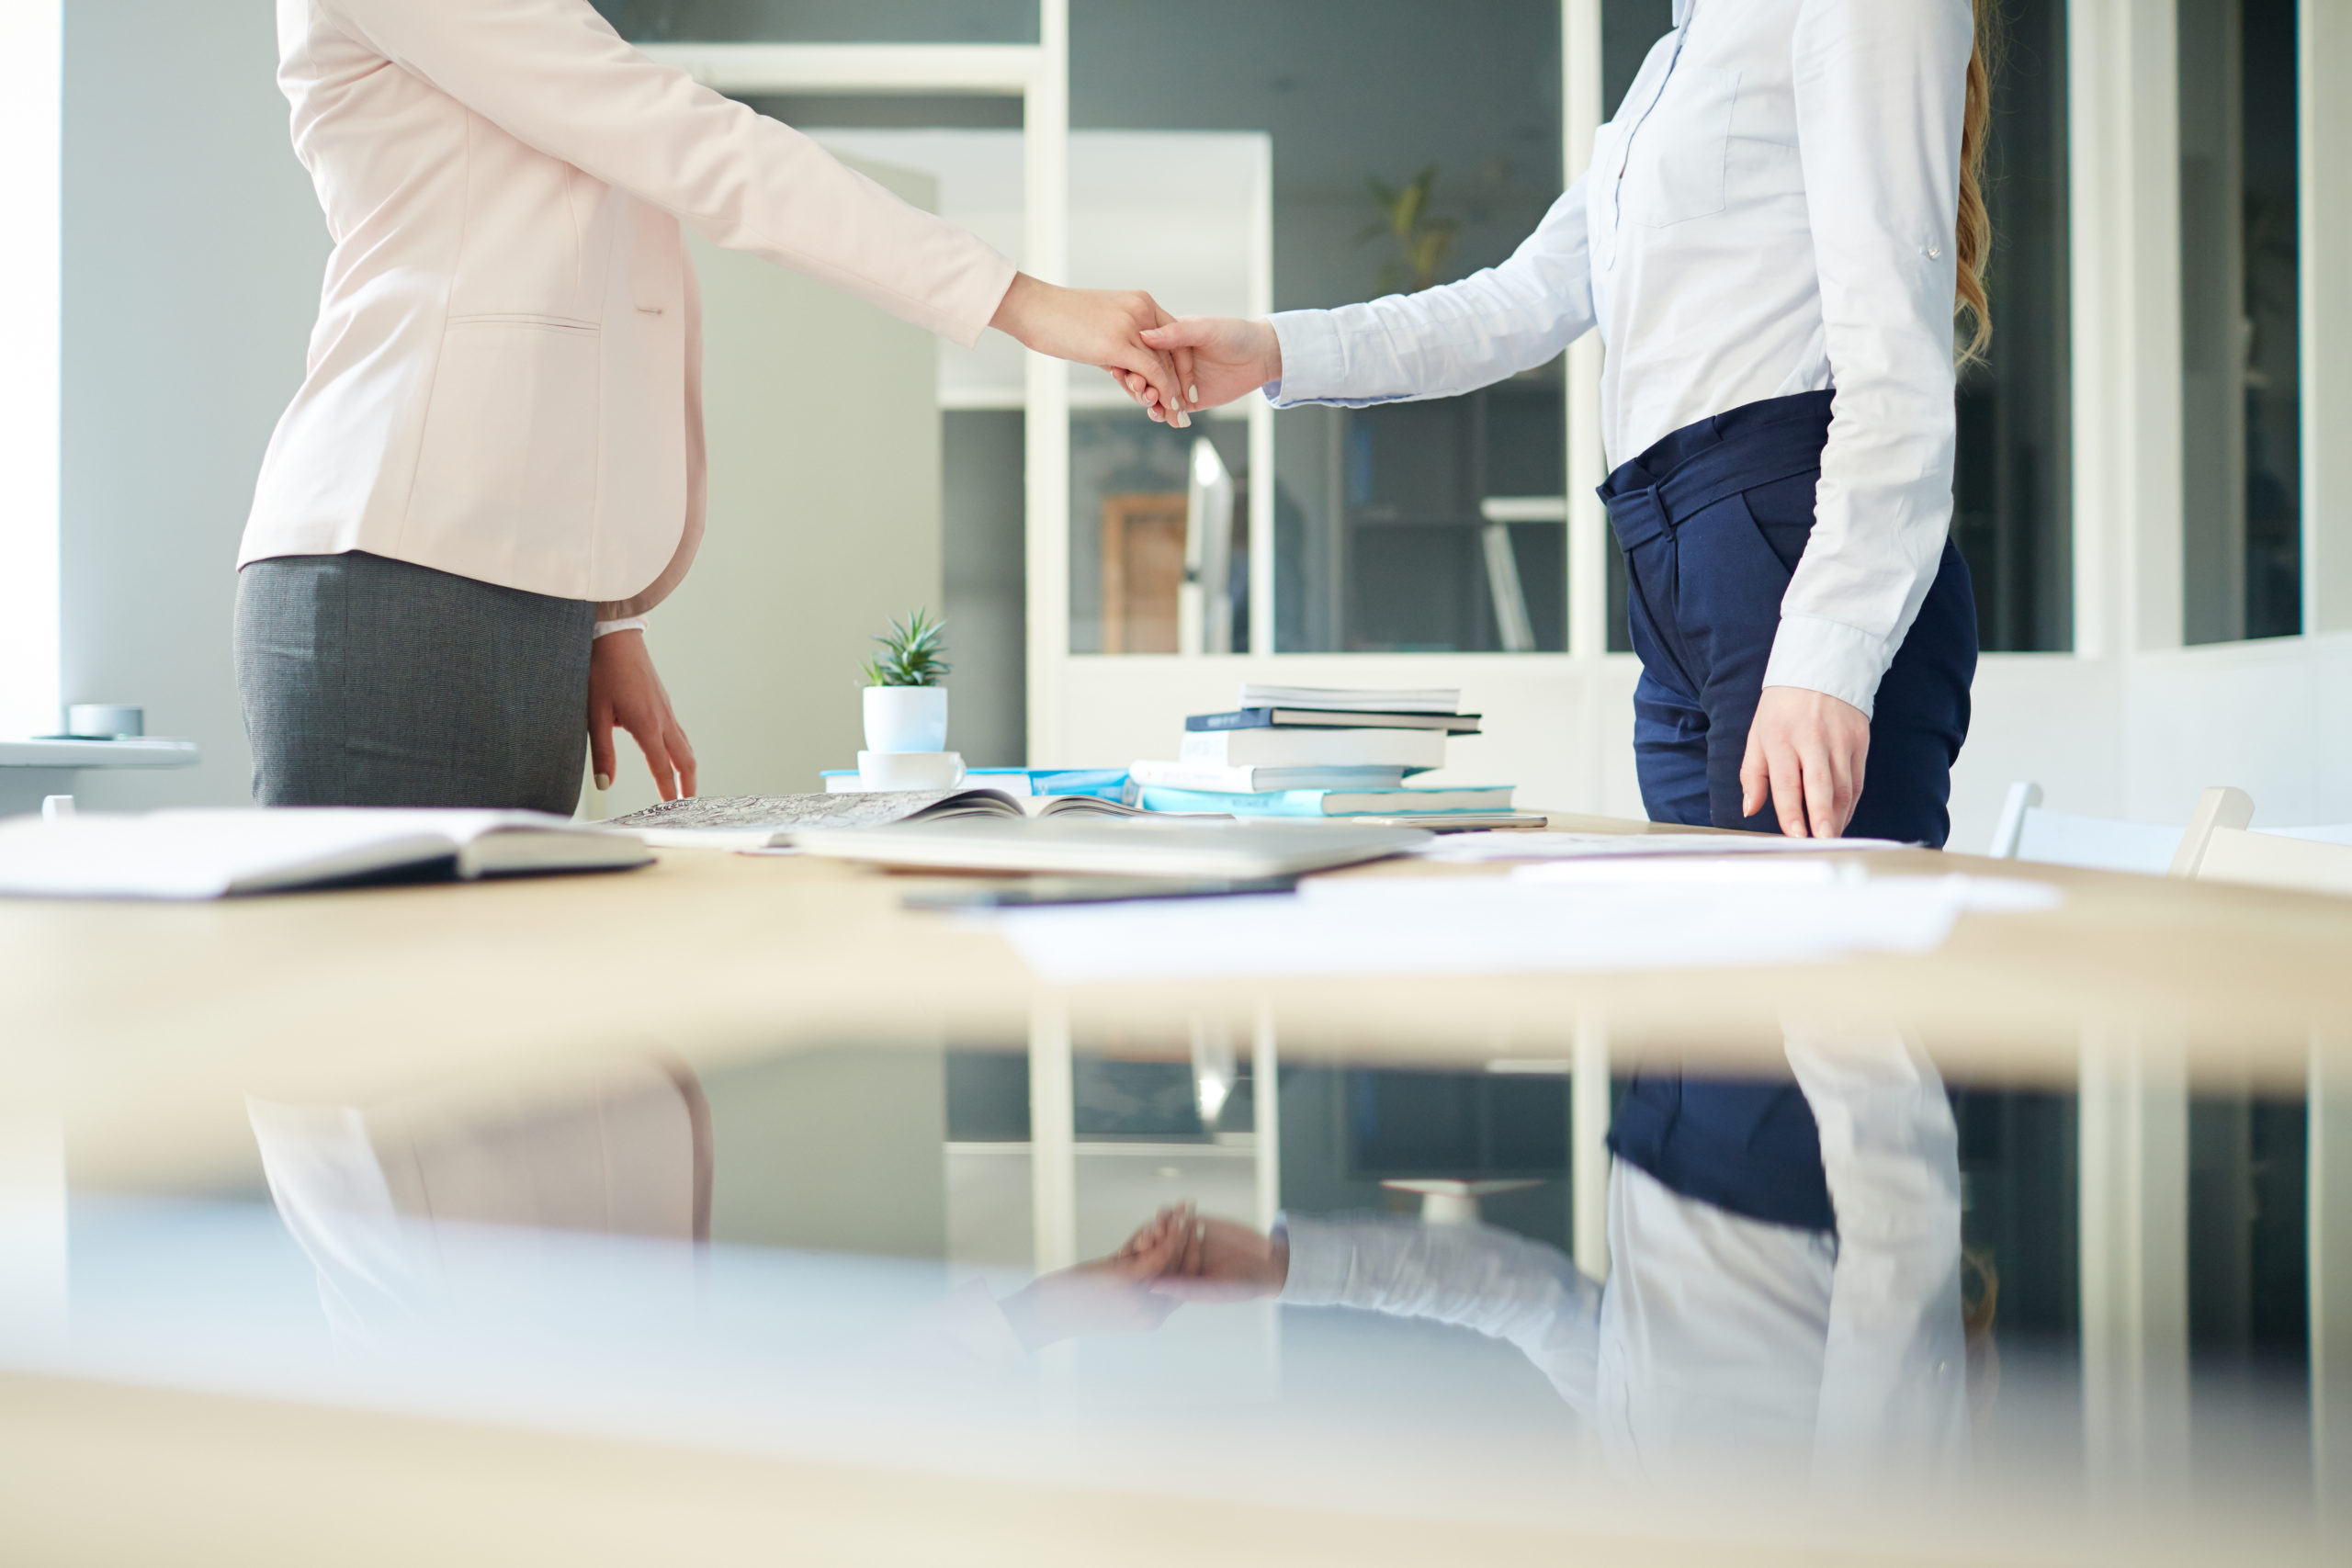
(1420, 699)
(771, 821)
(228, 852)
(1138, 846)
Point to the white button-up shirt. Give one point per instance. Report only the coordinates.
(1773, 211)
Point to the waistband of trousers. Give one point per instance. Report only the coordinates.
(1693, 468)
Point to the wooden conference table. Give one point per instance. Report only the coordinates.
(137, 1030)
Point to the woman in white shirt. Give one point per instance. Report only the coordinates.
(494, 464)
(1773, 239)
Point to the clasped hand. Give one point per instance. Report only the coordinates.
(1176, 1256)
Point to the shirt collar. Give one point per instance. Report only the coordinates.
(1681, 11)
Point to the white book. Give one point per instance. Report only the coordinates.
(220, 853)
(1138, 846)
(1259, 780)
(1361, 699)
(1412, 750)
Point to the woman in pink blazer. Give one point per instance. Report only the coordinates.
(494, 464)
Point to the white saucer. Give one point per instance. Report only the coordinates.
(909, 770)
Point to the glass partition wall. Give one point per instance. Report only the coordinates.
(2241, 375)
(1424, 149)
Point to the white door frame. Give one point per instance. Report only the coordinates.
(32, 126)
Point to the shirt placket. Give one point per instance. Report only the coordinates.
(1625, 148)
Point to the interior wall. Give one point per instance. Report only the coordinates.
(984, 514)
(832, 1151)
(193, 253)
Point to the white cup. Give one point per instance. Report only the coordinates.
(105, 721)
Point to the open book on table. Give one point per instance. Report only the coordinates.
(220, 853)
(768, 821)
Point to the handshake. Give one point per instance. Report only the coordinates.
(1171, 367)
(1176, 1256)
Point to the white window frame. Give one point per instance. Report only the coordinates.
(32, 103)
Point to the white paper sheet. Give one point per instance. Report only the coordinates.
(1479, 847)
(1630, 870)
(1425, 925)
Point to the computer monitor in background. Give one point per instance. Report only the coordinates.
(1204, 608)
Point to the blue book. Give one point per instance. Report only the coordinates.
(1329, 802)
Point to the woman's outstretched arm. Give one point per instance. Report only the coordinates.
(1437, 344)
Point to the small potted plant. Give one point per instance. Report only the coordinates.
(906, 708)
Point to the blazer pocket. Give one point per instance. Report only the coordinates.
(1674, 169)
(510, 437)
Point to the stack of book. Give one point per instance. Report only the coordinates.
(1317, 751)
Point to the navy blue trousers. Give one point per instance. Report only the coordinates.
(1711, 521)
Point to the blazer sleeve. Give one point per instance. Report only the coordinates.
(556, 76)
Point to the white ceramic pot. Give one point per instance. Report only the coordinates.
(908, 770)
(906, 718)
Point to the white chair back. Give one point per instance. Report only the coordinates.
(2028, 831)
(2219, 807)
(2333, 833)
(2219, 847)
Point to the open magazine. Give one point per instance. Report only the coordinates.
(768, 821)
(224, 853)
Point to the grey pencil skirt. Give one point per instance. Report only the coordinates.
(371, 682)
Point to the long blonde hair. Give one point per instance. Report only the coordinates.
(1973, 238)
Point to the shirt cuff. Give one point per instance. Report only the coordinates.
(626, 623)
(1320, 1259)
(1829, 656)
(1312, 360)
(972, 1321)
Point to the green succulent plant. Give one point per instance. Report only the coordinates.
(913, 654)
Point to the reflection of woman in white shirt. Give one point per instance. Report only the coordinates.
(1772, 238)
(1717, 1338)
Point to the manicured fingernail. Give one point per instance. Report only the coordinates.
(603, 780)
(1193, 392)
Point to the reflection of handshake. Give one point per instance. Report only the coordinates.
(1170, 367)
(1176, 1256)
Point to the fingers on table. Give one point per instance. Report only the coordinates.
(1755, 778)
(600, 746)
(1824, 810)
(1787, 776)
(681, 752)
(649, 740)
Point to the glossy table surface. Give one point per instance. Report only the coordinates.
(810, 1018)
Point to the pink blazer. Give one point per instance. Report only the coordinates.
(504, 381)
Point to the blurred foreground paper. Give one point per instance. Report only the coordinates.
(1497, 925)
